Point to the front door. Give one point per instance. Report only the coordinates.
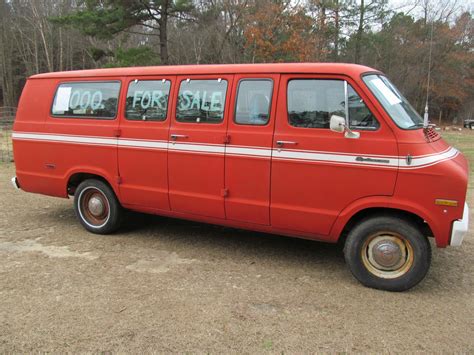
(316, 173)
(197, 144)
(248, 154)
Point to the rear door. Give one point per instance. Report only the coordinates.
(197, 143)
(316, 173)
(142, 151)
(248, 154)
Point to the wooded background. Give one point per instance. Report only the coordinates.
(393, 36)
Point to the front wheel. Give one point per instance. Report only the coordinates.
(387, 253)
(97, 207)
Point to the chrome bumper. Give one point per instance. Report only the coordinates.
(460, 228)
(15, 183)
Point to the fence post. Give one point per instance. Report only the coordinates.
(7, 117)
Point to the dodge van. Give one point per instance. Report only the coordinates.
(328, 152)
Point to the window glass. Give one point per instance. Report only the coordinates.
(311, 103)
(87, 99)
(201, 101)
(360, 116)
(396, 105)
(147, 100)
(253, 102)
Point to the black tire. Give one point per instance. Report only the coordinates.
(387, 253)
(97, 207)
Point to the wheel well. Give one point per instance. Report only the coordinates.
(77, 178)
(373, 212)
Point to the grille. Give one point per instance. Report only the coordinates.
(431, 135)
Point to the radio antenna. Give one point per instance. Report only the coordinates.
(425, 117)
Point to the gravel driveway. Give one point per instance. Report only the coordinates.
(173, 286)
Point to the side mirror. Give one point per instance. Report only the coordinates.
(338, 124)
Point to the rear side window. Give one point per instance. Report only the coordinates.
(312, 102)
(253, 102)
(86, 100)
(147, 100)
(201, 101)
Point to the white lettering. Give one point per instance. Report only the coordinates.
(216, 101)
(75, 98)
(85, 95)
(196, 100)
(146, 100)
(136, 97)
(96, 100)
(155, 99)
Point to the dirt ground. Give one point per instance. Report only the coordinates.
(173, 286)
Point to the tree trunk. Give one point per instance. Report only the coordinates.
(163, 24)
(360, 31)
(336, 30)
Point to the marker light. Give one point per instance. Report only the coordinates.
(443, 202)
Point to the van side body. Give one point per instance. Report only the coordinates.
(249, 146)
(156, 180)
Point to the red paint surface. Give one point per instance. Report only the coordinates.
(292, 197)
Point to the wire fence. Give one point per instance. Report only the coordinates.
(7, 116)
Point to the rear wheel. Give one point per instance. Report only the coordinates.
(387, 253)
(97, 207)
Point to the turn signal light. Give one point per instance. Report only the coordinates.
(443, 202)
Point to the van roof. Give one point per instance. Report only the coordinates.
(309, 68)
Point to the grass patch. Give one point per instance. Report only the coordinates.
(464, 141)
(6, 149)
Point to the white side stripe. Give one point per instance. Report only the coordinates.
(428, 160)
(142, 144)
(196, 148)
(334, 158)
(255, 152)
(66, 139)
(258, 152)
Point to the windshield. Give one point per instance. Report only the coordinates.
(398, 108)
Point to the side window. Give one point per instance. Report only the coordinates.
(201, 101)
(147, 100)
(253, 101)
(360, 116)
(312, 102)
(86, 100)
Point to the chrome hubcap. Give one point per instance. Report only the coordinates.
(387, 255)
(96, 206)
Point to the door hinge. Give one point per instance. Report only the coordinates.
(225, 192)
(117, 132)
(227, 139)
(119, 180)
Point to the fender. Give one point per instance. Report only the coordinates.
(111, 180)
(384, 202)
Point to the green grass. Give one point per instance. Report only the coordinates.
(6, 153)
(463, 141)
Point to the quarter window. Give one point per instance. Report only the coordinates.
(253, 102)
(147, 100)
(87, 100)
(201, 101)
(311, 103)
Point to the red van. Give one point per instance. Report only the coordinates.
(330, 152)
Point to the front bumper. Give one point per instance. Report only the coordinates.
(460, 228)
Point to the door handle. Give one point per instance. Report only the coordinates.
(175, 137)
(282, 143)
